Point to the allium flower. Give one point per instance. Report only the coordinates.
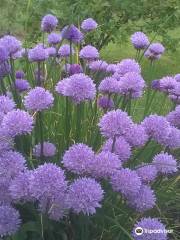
(38, 54)
(177, 77)
(111, 68)
(173, 139)
(155, 84)
(174, 117)
(150, 55)
(126, 181)
(157, 127)
(167, 83)
(105, 102)
(75, 68)
(165, 163)
(147, 173)
(9, 220)
(5, 197)
(109, 85)
(22, 85)
(78, 87)
(6, 104)
(151, 225)
(104, 164)
(72, 33)
(89, 24)
(3, 54)
(136, 135)
(85, 195)
(78, 158)
(6, 142)
(48, 186)
(143, 200)
(175, 91)
(18, 54)
(65, 50)
(38, 99)
(49, 150)
(156, 48)
(49, 23)
(89, 53)
(17, 122)
(140, 40)
(121, 148)
(11, 44)
(20, 74)
(115, 123)
(98, 66)
(5, 69)
(54, 38)
(128, 65)
(51, 51)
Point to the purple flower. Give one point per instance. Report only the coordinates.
(155, 84)
(78, 158)
(173, 139)
(3, 54)
(147, 173)
(121, 148)
(51, 51)
(49, 23)
(150, 55)
(126, 181)
(79, 87)
(75, 68)
(89, 24)
(149, 228)
(6, 104)
(175, 91)
(140, 40)
(5, 69)
(17, 122)
(156, 48)
(157, 127)
(89, 53)
(174, 117)
(165, 163)
(85, 195)
(11, 44)
(111, 68)
(115, 123)
(109, 85)
(65, 51)
(38, 54)
(167, 83)
(105, 102)
(6, 142)
(20, 74)
(38, 99)
(54, 38)
(104, 164)
(72, 33)
(98, 66)
(143, 200)
(22, 85)
(9, 220)
(128, 65)
(49, 150)
(177, 77)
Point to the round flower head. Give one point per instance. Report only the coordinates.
(17, 122)
(143, 200)
(98, 66)
(3, 54)
(105, 102)
(149, 228)
(115, 123)
(75, 68)
(174, 117)
(175, 98)
(109, 85)
(48, 186)
(6, 142)
(111, 68)
(79, 87)
(65, 51)
(156, 48)
(49, 23)
(121, 148)
(128, 65)
(51, 51)
(22, 85)
(54, 38)
(165, 163)
(147, 173)
(78, 158)
(89, 53)
(136, 136)
(175, 91)
(38, 54)
(177, 77)
(155, 84)
(173, 140)
(72, 33)
(167, 83)
(157, 127)
(6, 104)
(5, 69)
(89, 24)
(104, 164)
(9, 220)
(49, 150)
(85, 195)
(140, 40)
(151, 56)
(126, 181)
(5, 197)
(38, 99)
(20, 74)
(11, 44)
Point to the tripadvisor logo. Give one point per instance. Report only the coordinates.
(138, 231)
